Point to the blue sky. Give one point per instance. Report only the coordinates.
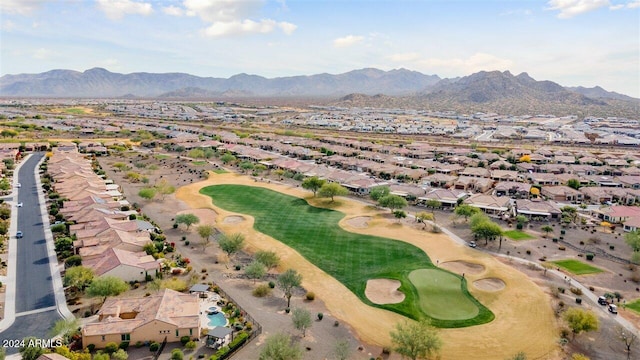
(571, 42)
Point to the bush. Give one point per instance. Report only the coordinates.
(110, 348)
(138, 344)
(578, 300)
(336, 323)
(190, 345)
(187, 242)
(519, 226)
(528, 252)
(73, 260)
(554, 240)
(310, 296)
(176, 354)
(562, 248)
(154, 346)
(124, 345)
(590, 256)
(320, 316)
(60, 228)
(91, 347)
(184, 339)
(287, 310)
(261, 291)
(576, 291)
(239, 339)
(612, 247)
(238, 267)
(272, 284)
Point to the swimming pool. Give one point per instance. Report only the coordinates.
(217, 319)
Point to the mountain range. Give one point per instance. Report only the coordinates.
(492, 91)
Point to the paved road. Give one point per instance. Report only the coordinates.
(34, 309)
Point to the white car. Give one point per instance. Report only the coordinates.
(18, 185)
(19, 204)
(472, 244)
(613, 309)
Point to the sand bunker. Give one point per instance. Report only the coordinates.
(489, 284)
(206, 216)
(462, 267)
(233, 219)
(360, 222)
(383, 291)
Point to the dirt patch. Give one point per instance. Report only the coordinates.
(489, 284)
(360, 222)
(233, 219)
(206, 216)
(383, 291)
(463, 267)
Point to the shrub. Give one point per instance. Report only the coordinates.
(310, 296)
(612, 247)
(287, 310)
(73, 260)
(320, 316)
(176, 354)
(576, 291)
(554, 240)
(578, 300)
(528, 252)
(519, 226)
(187, 242)
(239, 339)
(91, 347)
(138, 344)
(154, 346)
(336, 323)
(238, 267)
(591, 288)
(110, 347)
(590, 256)
(261, 291)
(272, 284)
(124, 345)
(562, 248)
(190, 345)
(184, 339)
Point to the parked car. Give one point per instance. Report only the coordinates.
(472, 244)
(613, 309)
(19, 204)
(602, 300)
(19, 234)
(18, 185)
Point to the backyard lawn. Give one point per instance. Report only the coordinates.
(518, 235)
(349, 257)
(634, 305)
(577, 267)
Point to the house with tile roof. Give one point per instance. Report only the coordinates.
(126, 265)
(165, 315)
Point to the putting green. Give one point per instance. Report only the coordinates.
(350, 258)
(441, 295)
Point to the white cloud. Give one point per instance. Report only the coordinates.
(8, 25)
(347, 41)
(230, 17)
(616, 7)
(20, 7)
(634, 4)
(43, 54)
(173, 10)
(116, 9)
(404, 57)
(571, 8)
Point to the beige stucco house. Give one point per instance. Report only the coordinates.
(167, 314)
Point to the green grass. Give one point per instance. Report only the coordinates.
(577, 267)
(350, 258)
(198, 163)
(518, 235)
(220, 171)
(440, 295)
(161, 157)
(634, 305)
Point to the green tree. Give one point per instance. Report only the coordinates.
(30, 350)
(416, 340)
(246, 166)
(433, 204)
(573, 183)
(78, 277)
(547, 229)
(487, 230)
(8, 133)
(580, 320)
(205, 232)
(268, 258)
(633, 239)
(255, 270)
(231, 243)
(399, 214)
(341, 350)
(147, 193)
(227, 158)
(280, 347)
(65, 328)
(5, 184)
(313, 183)
(164, 188)
(466, 211)
(196, 153)
(393, 202)
(120, 354)
(105, 286)
(301, 320)
(287, 281)
(423, 217)
(187, 219)
(379, 192)
(331, 190)
(176, 354)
